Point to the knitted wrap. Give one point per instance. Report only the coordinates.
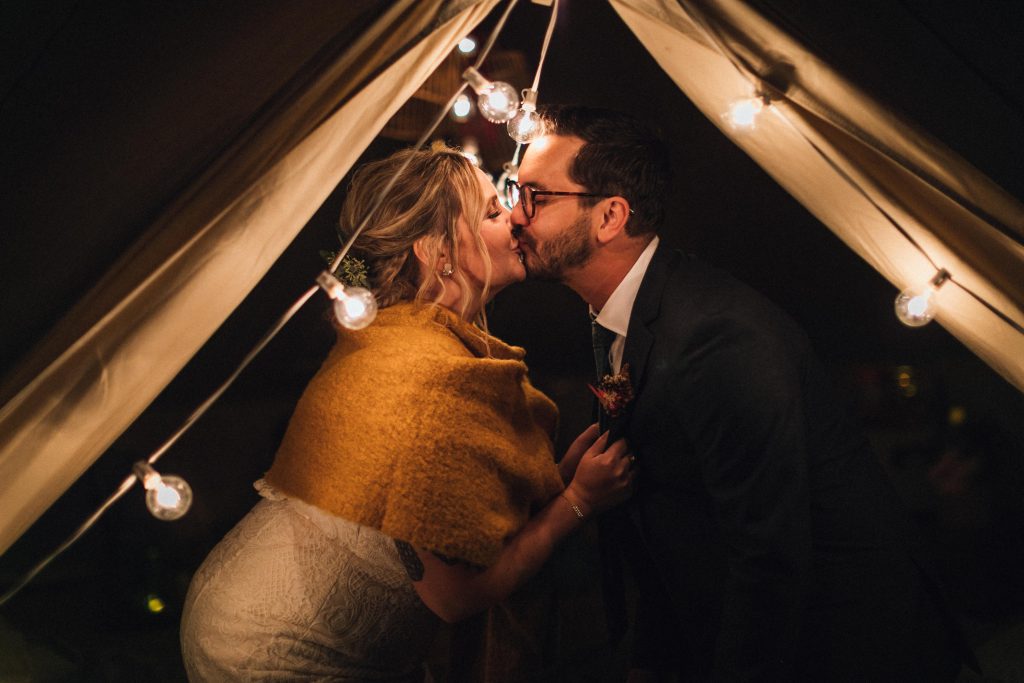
(426, 428)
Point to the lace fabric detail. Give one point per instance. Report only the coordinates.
(294, 593)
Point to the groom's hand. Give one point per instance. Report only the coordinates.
(568, 463)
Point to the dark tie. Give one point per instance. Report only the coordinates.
(602, 338)
(609, 526)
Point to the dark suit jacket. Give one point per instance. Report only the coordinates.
(770, 544)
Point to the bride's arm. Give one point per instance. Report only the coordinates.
(455, 591)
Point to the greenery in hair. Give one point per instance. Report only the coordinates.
(351, 271)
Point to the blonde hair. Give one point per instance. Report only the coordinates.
(437, 188)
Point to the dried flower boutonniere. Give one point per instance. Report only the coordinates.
(614, 392)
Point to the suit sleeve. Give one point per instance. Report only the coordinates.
(742, 411)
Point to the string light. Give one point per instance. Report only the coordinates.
(462, 108)
(357, 305)
(527, 125)
(743, 114)
(354, 307)
(496, 100)
(467, 45)
(471, 150)
(915, 306)
(168, 497)
(510, 172)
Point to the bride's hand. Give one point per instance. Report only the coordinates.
(604, 476)
(586, 439)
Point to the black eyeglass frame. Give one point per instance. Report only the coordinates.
(529, 199)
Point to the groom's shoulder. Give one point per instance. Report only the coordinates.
(698, 292)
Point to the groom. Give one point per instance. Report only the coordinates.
(770, 545)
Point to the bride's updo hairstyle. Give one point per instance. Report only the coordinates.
(437, 188)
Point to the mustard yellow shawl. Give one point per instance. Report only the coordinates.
(426, 428)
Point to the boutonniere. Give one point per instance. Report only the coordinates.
(614, 392)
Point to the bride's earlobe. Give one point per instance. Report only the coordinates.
(431, 261)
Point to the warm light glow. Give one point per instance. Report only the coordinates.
(467, 45)
(154, 604)
(168, 497)
(471, 150)
(916, 306)
(497, 101)
(743, 114)
(498, 104)
(905, 381)
(356, 308)
(509, 170)
(462, 108)
(957, 415)
(527, 125)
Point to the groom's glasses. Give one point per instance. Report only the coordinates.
(514, 192)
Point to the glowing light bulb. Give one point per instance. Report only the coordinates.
(155, 604)
(510, 171)
(916, 306)
(462, 108)
(168, 497)
(467, 45)
(471, 150)
(497, 101)
(354, 307)
(743, 114)
(527, 125)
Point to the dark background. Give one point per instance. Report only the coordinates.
(946, 426)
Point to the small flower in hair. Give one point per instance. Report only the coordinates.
(351, 271)
(614, 392)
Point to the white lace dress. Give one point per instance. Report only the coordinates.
(293, 593)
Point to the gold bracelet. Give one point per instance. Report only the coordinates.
(574, 506)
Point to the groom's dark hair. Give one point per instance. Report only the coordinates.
(621, 155)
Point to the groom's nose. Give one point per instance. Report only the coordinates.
(518, 218)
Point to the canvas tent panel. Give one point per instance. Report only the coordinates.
(822, 143)
(210, 250)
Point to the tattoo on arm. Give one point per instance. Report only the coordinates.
(411, 561)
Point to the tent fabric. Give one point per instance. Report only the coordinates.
(857, 166)
(117, 349)
(217, 203)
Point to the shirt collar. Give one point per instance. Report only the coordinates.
(615, 314)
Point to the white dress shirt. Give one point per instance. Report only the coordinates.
(615, 314)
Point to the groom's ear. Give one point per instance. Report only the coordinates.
(615, 214)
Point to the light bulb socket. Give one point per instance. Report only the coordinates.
(331, 285)
(529, 102)
(145, 473)
(475, 79)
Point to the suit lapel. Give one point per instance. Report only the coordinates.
(646, 308)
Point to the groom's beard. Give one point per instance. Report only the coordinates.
(570, 249)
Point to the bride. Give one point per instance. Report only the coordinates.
(416, 482)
